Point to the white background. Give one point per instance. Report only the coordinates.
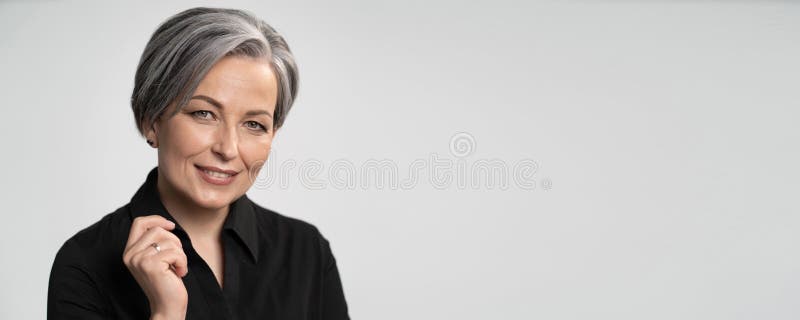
(668, 132)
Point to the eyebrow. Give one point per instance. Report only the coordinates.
(219, 105)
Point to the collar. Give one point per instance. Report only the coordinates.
(241, 217)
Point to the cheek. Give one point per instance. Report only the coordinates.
(254, 152)
(187, 139)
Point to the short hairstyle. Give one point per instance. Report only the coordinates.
(184, 48)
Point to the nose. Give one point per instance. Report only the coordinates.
(226, 144)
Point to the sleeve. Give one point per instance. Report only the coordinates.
(72, 292)
(334, 306)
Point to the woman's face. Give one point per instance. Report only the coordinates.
(208, 151)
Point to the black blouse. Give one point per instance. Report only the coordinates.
(276, 267)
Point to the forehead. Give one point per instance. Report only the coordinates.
(241, 83)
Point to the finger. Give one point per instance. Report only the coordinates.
(140, 225)
(150, 260)
(144, 245)
(164, 239)
(175, 259)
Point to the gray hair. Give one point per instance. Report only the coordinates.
(185, 47)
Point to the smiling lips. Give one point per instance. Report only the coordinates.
(216, 175)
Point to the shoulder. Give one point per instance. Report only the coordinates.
(289, 234)
(283, 224)
(283, 230)
(98, 246)
(85, 263)
(102, 234)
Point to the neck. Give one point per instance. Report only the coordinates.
(199, 222)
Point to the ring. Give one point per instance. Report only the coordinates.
(156, 246)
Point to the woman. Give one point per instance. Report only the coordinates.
(212, 88)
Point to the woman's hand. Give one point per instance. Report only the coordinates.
(159, 273)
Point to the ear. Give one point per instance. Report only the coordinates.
(151, 134)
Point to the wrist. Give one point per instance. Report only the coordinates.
(168, 316)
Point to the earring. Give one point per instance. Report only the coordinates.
(150, 142)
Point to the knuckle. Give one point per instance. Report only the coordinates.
(169, 236)
(137, 221)
(175, 252)
(175, 240)
(136, 262)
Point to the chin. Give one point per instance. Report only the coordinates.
(212, 197)
(213, 200)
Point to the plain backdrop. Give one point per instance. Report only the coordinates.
(665, 136)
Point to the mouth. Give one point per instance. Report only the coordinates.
(216, 176)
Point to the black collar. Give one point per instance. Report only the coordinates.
(241, 218)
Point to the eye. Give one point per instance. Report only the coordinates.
(255, 125)
(203, 114)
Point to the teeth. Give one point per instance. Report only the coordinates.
(217, 174)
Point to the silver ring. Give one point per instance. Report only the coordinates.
(156, 246)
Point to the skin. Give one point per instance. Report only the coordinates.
(238, 136)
